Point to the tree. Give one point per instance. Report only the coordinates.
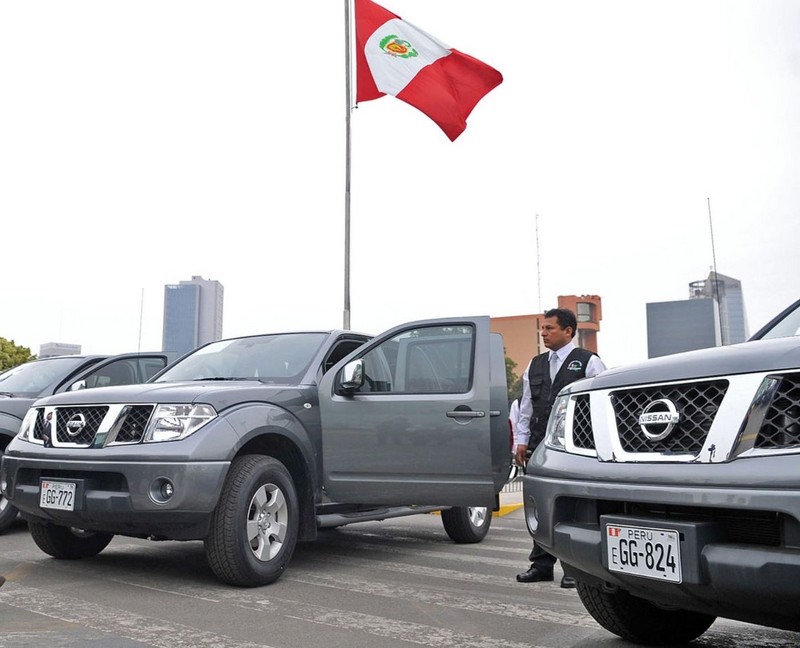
(513, 381)
(12, 354)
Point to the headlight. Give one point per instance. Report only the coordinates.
(26, 429)
(175, 422)
(557, 424)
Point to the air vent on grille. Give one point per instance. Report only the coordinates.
(696, 403)
(781, 427)
(582, 436)
(134, 420)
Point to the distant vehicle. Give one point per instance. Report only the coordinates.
(253, 443)
(20, 386)
(670, 489)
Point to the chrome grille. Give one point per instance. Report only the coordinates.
(38, 425)
(68, 430)
(697, 404)
(133, 422)
(781, 426)
(582, 436)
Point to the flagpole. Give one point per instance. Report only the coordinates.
(348, 98)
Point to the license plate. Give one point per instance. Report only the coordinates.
(57, 495)
(642, 551)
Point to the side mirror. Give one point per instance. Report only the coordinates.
(352, 375)
(77, 385)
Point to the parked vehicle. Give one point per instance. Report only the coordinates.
(670, 489)
(20, 386)
(253, 443)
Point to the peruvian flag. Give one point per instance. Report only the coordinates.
(394, 57)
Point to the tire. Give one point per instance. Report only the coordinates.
(467, 524)
(67, 543)
(8, 514)
(640, 621)
(254, 527)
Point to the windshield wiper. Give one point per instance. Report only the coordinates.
(221, 378)
(9, 394)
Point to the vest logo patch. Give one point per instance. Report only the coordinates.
(575, 365)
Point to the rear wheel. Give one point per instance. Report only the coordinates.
(640, 621)
(254, 527)
(68, 543)
(467, 524)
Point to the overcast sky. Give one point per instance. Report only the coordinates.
(142, 143)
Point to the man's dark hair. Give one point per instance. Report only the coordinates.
(565, 318)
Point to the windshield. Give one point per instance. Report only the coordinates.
(30, 379)
(281, 359)
(787, 326)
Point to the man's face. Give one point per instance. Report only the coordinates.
(553, 336)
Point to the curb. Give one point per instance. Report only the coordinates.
(505, 509)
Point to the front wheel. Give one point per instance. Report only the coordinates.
(7, 513)
(254, 527)
(640, 621)
(68, 543)
(467, 524)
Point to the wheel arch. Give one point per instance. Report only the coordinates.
(274, 432)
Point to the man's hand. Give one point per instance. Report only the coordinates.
(521, 454)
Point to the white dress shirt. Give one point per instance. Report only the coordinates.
(522, 433)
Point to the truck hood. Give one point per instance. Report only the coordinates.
(218, 394)
(749, 357)
(15, 407)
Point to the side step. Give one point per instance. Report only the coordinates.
(329, 520)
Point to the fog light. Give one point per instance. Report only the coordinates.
(161, 490)
(3, 486)
(531, 516)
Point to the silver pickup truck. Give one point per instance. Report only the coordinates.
(670, 489)
(20, 386)
(253, 443)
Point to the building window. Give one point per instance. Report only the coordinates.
(584, 313)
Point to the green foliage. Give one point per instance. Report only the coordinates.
(12, 354)
(513, 381)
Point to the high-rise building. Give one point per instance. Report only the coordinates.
(727, 292)
(192, 314)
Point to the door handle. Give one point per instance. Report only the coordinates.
(466, 414)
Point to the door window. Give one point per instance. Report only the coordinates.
(427, 360)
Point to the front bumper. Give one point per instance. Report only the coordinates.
(121, 497)
(739, 526)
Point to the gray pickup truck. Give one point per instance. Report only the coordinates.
(670, 489)
(253, 443)
(20, 386)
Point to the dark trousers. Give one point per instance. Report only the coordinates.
(542, 560)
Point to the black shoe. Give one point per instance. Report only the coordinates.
(568, 582)
(533, 575)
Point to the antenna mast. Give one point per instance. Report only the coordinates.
(538, 270)
(716, 276)
(141, 313)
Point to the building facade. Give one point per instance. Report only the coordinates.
(684, 325)
(521, 336)
(52, 349)
(192, 314)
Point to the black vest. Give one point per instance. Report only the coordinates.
(543, 392)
